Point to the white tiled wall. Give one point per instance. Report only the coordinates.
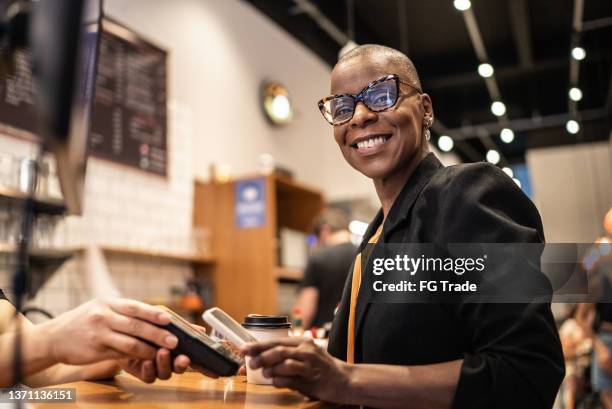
(127, 208)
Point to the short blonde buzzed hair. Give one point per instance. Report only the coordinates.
(396, 57)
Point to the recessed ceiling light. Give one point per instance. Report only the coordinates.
(493, 156)
(498, 108)
(518, 182)
(507, 135)
(578, 53)
(575, 94)
(462, 5)
(485, 70)
(445, 143)
(508, 171)
(572, 126)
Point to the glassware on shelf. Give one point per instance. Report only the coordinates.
(43, 232)
(26, 174)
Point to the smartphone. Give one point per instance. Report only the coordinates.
(227, 326)
(201, 349)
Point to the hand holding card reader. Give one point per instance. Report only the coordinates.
(228, 327)
(200, 348)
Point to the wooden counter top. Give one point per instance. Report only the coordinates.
(190, 390)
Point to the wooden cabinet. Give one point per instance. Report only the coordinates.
(245, 273)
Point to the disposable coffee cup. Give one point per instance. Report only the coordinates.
(264, 328)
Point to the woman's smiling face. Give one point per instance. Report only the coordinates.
(396, 135)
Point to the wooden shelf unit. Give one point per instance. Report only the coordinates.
(42, 205)
(181, 257)
(245, 275)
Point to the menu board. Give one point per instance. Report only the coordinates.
(129, 119)
(130, 116)
(17, 97)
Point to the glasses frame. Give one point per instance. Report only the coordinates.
(359, 97)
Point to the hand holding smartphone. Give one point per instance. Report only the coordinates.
(201, 349)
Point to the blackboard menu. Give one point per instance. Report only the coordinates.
(129, 121)
(17, 97)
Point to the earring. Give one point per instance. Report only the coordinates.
(427, 124)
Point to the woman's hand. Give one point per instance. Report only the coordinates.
(107, 329)
(299, 364)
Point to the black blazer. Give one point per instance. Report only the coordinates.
(512, 353)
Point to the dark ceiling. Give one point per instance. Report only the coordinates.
(527, 41)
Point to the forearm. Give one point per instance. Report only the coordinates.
(35, 353)
(61, 373)
(389, 386)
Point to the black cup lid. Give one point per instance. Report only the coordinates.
(266, 321)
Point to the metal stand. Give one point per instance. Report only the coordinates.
(21, 277)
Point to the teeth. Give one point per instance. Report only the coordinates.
(371, 143)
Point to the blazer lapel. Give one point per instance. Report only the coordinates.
(413, 187)
(398, 213)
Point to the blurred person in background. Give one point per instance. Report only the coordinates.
(577, 346)
(596, 319)
(327, 269)
(92, 341)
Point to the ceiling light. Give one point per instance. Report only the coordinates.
(508, 171)
(572, 126)
(575, 94)
(507, 135)
(518, 182)
(498, 108)
(445, 143)
(493, 156)
(578, 53)
(485, 70)
(462, 5)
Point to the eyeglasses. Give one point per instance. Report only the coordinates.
(378, 96)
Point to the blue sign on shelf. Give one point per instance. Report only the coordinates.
(250, 200)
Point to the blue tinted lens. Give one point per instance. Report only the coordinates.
(341, 108)
(381, 96)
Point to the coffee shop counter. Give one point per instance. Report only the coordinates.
(189, 390)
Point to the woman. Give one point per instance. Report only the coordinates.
(385, 355)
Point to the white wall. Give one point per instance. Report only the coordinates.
(220, 51)
(572, 188)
